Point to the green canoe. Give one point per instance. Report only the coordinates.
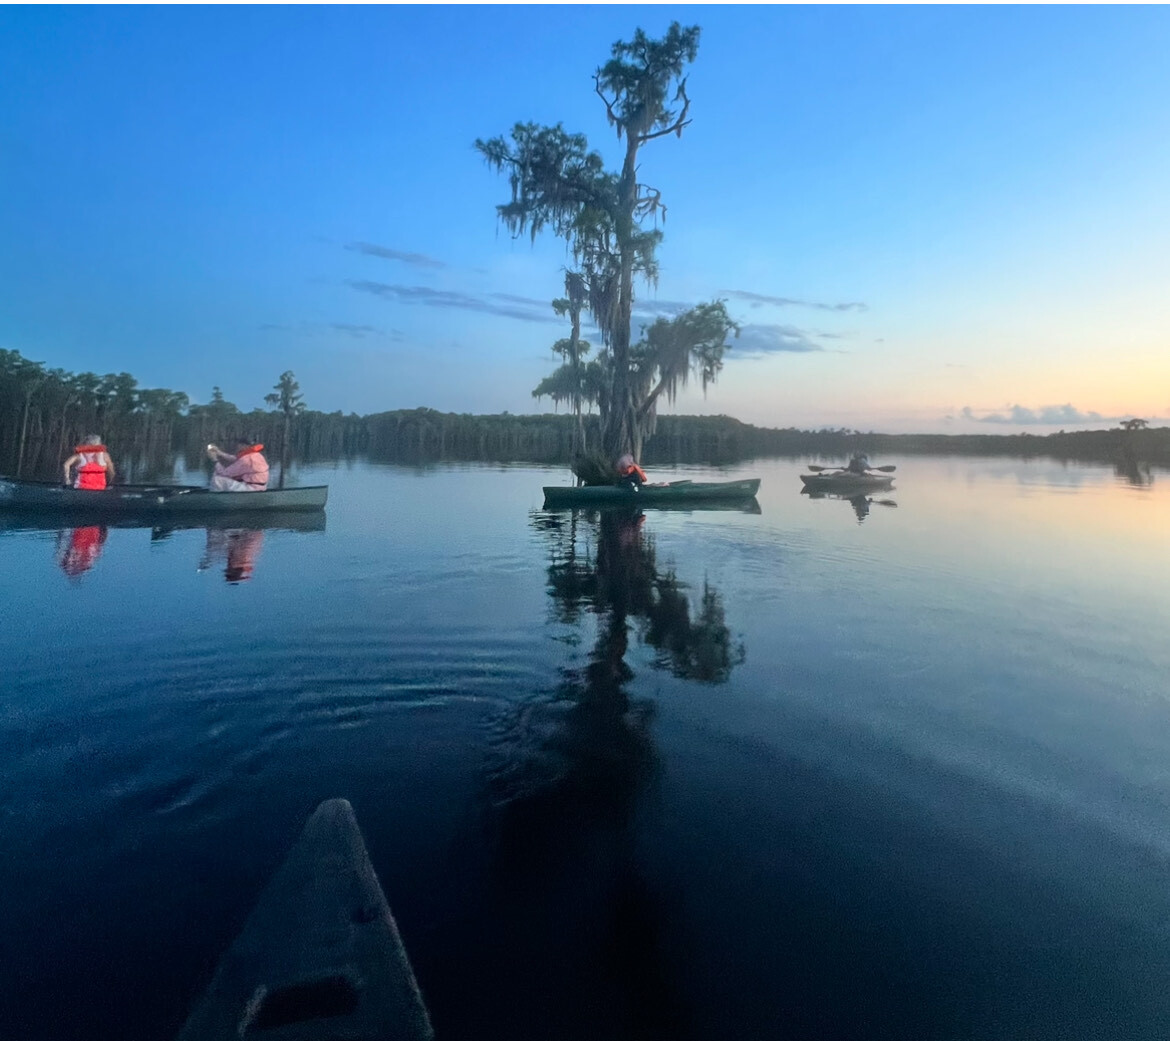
(675, 493)
(320, 958)
(844, 483)
(153, 500)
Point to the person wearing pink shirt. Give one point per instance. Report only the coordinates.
(246, 471)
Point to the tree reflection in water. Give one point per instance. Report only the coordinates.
(591, 736)
(569, 769)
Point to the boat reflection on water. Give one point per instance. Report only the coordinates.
(861, 502)
(238, 545)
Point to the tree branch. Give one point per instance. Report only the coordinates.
(680, 123)
(609, 112)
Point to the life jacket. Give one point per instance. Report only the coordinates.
(633, 468)
(91, 470)
(257, 474)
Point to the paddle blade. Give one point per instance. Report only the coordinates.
(884, 469)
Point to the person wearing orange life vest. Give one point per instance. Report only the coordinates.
(245, 471)
(630, 473)
(95, 468)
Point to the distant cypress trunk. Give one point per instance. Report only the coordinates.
(284, 450)
(23, 432)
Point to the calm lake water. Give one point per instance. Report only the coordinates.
(711, 774)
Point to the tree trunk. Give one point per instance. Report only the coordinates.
(61, 436)
(620, 426)
(284, 450)
(23, 431)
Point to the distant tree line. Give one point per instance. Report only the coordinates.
(45, 412)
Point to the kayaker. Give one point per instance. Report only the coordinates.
(629, 472)
(245, 471)
(95, 468)
(859, 464)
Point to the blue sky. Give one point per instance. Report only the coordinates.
(926, 218)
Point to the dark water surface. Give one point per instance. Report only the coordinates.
(699, 775)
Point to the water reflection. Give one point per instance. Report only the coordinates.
(861, 503)
(571, 767)
(1133, 472)
(77, 550)
(237, 548)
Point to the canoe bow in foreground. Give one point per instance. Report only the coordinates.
(675, 493)
(320, 957)
(153, 499)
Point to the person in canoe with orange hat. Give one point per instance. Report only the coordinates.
(95, 468)
(244, 471)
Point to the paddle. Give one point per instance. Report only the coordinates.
(821, 469)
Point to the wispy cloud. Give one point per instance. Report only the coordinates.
(523, 308)
(774, 339)
(761, 300)
(651, 310)
(357, 332)
(524, 301)
(1048, 415)
(371, 249)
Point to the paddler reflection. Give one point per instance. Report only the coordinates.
(238, 548)
(79, 548)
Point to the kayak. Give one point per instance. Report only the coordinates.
(320, 957)
(675, 493)
(154, 500)
(843, 482)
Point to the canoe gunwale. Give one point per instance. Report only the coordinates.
(160, 500)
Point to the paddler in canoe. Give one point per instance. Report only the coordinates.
(95, 467)
(244, 471)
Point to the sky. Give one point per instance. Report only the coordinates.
(925, 219)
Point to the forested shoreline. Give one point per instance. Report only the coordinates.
(44, 412)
